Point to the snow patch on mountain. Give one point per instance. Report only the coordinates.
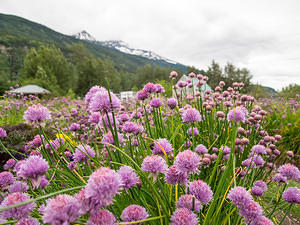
(122, 47)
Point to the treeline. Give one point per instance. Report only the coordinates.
(76, 70)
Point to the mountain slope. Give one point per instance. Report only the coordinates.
(18, 32)
(122, 47)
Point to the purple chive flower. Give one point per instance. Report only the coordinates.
(251, 210)
(83, 153)
(34, 167)
(184, 216)
(239, 196)
(63, 209)
(155, 103)
(6, 178)
(187, 161)
(95, 117)
(123, 117)
(128, 176)
(150, 88)
(253, 161)
(88, 97)
(74, 127)
(159, 88)
(278, 177)
(186, 201)
(102, 217)
(193, 131)
(261, 220)
(289, 171)
(291, 195)
(101, 102)
(154, 164)
(131, 127)
(142, 95)
(18, 186)
(17, 212)
(201, 149)
(108, 138)
(134, 213)
(172, 103)
(2, 133)
(258, 149)
(191, 115)
(257, 191)
(44, 182)
(36, 114)
(201, 191)
(102, 186)
(162, 144)
(9, 164)
(238, 114)
(173, 176)
(261, 184)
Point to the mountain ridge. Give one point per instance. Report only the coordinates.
(122, 47)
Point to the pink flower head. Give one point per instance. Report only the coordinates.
(184, 216)
(102, 217)
(251, 210)
(18, 186)
(142, 95)
(2, 133)
(172, 103)
(187, 201)
(92, 92)
(63, 209)
(261, 220)
(289, 171)
(239, 196)
(155, 103)
(104, 102)
(134, 213)
(102, 186)
(162, 144)
(150, 88)
(191, 115)
(6, 178)
(128, 176)
(34, 167)
(292, 195)
(17, 212)
(187, 162)
(238, 114)
(154, 164)
(36, 114)
(174, 176)
(201, 191)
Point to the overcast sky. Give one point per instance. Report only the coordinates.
(262, 35)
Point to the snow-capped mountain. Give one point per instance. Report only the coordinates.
(83, 35)
(122, 47)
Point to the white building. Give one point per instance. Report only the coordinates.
(127, 95)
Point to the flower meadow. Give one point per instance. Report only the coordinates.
(194, 158)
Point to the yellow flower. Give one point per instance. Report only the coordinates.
(66, 138)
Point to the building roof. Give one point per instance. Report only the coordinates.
(30, 89)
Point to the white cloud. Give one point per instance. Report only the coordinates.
(262, 35)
